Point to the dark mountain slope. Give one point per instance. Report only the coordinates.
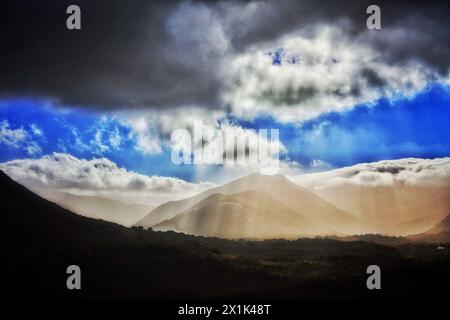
(40, 240)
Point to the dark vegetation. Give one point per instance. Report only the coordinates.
(41, 240)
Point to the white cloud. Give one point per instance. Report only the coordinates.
(319, 164)
(115, 139)
(77, 142)
(102, 136)
(97, 142)
(145, 131)
(36, 130)
(33, 149)
(152, 129)
(215, 138)
(107, 136)
(12, 137)
(98, 176)
(19, 138)
(331, 73)
(410, 171)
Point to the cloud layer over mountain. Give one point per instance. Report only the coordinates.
(407, 195)
(408, 171)
(98, 176)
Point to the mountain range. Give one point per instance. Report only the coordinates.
(406, 208)
(408, 196)
(250, 214)
(273, 206)
(255, 206)
(42, 239)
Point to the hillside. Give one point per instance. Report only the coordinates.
(119, 262)
(251, 214)
(281, 190)
(115, 261)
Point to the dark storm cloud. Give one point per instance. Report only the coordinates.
(136, 53)
(417, 30)
(120, 57)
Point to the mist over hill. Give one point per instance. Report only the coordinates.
(408, 196)
(99, 207)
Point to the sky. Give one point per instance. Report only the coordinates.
(109, 96)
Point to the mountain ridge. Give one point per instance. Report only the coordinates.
(247, 215)
(280, 188)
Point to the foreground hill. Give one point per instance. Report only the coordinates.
(41, 239)
(115, 261)
(282, 193)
